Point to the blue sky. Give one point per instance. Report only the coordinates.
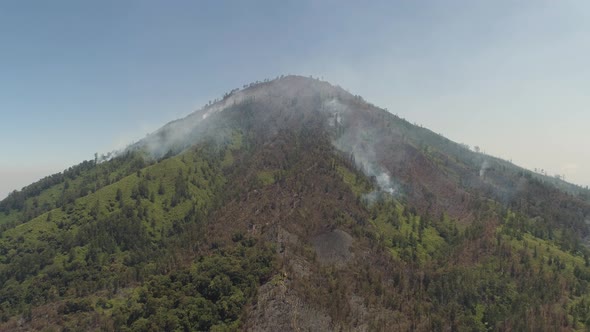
(78, 77)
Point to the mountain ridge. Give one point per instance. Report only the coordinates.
(250, 89)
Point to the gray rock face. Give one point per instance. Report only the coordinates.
(278, 309)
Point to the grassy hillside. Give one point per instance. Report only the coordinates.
(112, 238)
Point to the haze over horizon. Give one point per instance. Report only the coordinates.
(79, 78)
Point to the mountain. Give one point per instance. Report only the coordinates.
(291, 204)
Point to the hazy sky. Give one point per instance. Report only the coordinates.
(78, 77)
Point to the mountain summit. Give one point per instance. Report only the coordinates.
(291, 204)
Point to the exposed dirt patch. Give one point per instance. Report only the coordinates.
(333, 247)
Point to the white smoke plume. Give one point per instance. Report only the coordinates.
(385, 183)
(484, 167)
(358, 142)
(356, 138)
(182, 133)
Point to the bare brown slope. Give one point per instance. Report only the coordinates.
(307, 203)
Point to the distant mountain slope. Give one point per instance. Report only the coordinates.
(292, 204)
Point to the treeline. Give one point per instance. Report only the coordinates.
(73, 183)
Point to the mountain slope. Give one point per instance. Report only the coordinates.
(292, 204)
